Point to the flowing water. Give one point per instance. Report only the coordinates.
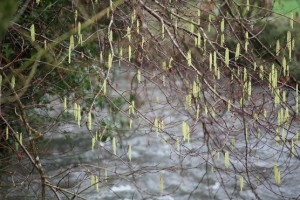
(185, 169)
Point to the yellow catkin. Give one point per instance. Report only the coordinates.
(188, 102)
(177, 144)
(277, 47)
(92, 180)
(129, 34)
(21, 138)
(232, 143)
(226, 159)
(69, 55)
(241, 183)
(245, 74)
(97, 183)
(162, 30)
(138, 76)
(185, 131)
(93, 143)
(129, 152)
(105, 175)
(261, 72)
(75, 111)
(114, 146)
(137, 26)
(247, 5)
(6, 133)
(292, 20)
(222, 25)
(132, 106)
(293, 149)
(237, 51)
(192, 27)
(246, 41)
(129, 53)
(101, 56)
(89, 121)
(289, 44)
(277, 174)
(258, 132)
(79, 28)
(198, 39)
(222, 39)
(32, 32)
(228, 105)
(161, 184)
(209, 22)
(227, 57)
(104, 87)
(189, 58)
(110, 36)
(80, 40)
(265, 113)
(72, 43)
(109, 62)
(210, 61)
(284, 66)
(297, 99)
(156, 125)
(78, 115)
(199, 14)
(13, 82)
(65, 105)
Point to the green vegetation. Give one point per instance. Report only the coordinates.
(284, 7)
